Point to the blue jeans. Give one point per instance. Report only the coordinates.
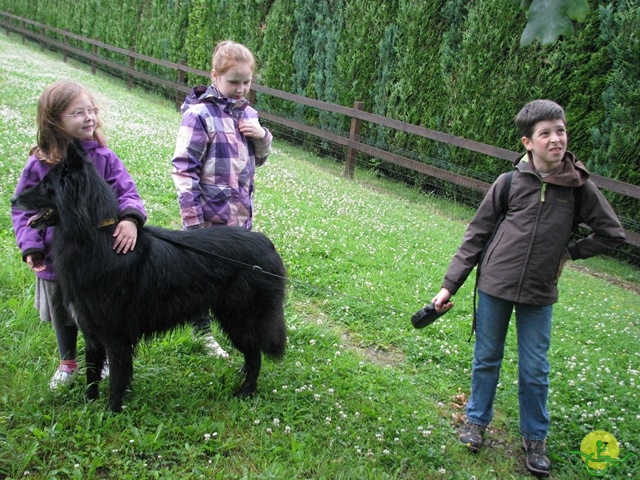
(533, 323)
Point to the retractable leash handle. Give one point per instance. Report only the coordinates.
(426, 316)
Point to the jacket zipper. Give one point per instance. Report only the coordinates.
(533, 235)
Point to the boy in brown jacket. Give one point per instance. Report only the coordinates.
(520, 269)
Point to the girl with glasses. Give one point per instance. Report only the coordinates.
(67, 111)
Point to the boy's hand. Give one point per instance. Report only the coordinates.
(125, 235)
(35, 262)
(250, 127)
(441, 301)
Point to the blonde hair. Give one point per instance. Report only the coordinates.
(51, 137)
(227, 54)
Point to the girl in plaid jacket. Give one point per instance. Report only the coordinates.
(220, 143)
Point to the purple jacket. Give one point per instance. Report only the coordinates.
(109, 166)
(214, 164)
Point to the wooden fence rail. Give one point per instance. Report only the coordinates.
(38, 32)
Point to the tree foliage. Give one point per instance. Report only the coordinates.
(462, 67)
(548, 20)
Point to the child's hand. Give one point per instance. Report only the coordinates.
(250, 127)
(441, 301)
(35, 262)
(125, 234)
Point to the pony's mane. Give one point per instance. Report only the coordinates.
(88, 198)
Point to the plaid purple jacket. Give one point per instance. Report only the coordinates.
(214, 164)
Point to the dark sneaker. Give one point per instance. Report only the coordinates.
(537, 460)
(471, 435)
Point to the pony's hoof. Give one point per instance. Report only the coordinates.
(245, 393)
(92, 393)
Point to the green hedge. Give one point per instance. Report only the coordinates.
(450, 65)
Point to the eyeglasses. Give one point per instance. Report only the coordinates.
(82, 114)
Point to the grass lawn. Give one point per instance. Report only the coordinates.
(360, 394)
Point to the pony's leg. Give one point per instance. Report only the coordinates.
(120, 353)
(94, 359)
(251, 368)
(245, 341)
(247, 345)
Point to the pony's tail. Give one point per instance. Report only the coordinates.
(273, 335)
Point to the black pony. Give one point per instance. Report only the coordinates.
(171, 277)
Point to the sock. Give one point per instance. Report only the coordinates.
(72, 364)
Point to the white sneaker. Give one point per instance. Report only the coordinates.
(105, 368)
(213, 348)
(63, 377)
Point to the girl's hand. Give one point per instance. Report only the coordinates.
(250, 127)
(35, 262)
(125, 234)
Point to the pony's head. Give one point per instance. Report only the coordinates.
(67, 189)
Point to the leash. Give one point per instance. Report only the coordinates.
(206, 253)
(259, 269)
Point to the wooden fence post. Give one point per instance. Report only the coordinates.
(179, 96)
(43, 32)
(95, 54)
(354, 135)
(65, 53)
(132, 66)
(24, 27)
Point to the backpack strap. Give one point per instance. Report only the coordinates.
(577, 203)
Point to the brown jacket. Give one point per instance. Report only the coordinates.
(522, 262)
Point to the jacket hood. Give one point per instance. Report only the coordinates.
(210, 94)
(570, 173)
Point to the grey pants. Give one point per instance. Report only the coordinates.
(48, 302)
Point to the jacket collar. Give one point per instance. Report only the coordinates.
(570, 173)
(210, 94)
